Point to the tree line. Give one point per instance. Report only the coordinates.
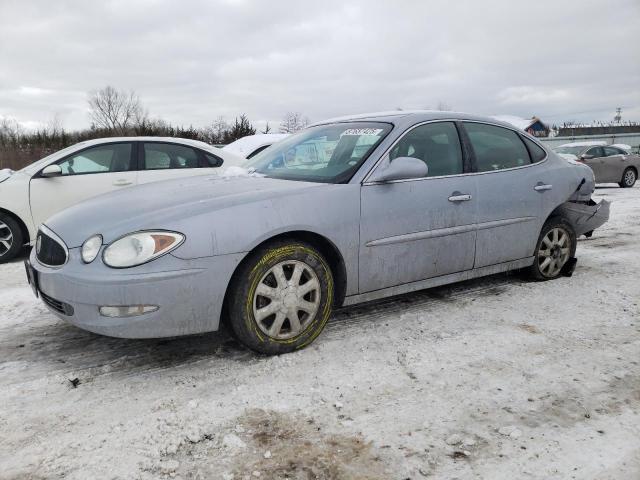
(116, 113)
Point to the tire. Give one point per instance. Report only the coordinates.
(276, 282)
(553, 252)
(11, 239)
(629, 177)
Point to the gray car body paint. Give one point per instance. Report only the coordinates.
(388, 242)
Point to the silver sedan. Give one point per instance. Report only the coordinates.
(348, 210)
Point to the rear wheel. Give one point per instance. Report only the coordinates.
(556, 246)
(629, 177)
(281, 298)
(10, 238)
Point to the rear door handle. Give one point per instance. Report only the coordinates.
(122, 183)
(460, 198)
(542, 187)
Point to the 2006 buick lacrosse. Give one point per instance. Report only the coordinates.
(345, 211)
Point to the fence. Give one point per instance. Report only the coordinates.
(632, 139)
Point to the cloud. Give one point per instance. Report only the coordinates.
(193, 61)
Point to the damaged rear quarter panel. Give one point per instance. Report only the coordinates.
(570, 197)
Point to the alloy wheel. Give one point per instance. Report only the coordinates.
(629, 177)
(286, 299)
(554, 252)
(6, 239)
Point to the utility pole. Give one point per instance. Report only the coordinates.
(618, 117)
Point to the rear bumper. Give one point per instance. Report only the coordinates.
(586, 217)
(189, 294)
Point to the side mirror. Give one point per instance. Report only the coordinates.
(51, 171)
(586, 156)
(401, 168)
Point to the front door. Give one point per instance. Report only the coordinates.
(415, 229)
(594, 157)
(85, 174)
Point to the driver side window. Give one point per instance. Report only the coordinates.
(115, 157)
(436, 144)
(596, 152)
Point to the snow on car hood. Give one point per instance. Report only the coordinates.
(4, 174)
(160, 205)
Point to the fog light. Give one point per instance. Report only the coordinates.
(127, 310)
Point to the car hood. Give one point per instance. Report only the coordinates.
(162, 205)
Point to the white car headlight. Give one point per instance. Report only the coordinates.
(91, 248)
(140, 247)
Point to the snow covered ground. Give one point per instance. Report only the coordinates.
(496, 378)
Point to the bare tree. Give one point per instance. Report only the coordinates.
(292, 122)
(215, 132)
(267, 129)
(54, 126)
(116, 110)
(443, 106)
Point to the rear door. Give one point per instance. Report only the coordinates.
(510, 193)
(416, 229)
(85, 174)
(163, 160)
(613, 164)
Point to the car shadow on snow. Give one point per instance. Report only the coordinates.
(60, 348)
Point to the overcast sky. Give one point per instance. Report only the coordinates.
(192, 61)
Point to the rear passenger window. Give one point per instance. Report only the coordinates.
(211, 160)
(159, 156)
(436, 144)
(496, 148)
(611, 151)
(535, 151)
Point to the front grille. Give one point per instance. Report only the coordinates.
(50, 251)
(57, 305)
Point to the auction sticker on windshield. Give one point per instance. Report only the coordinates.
(362, 131)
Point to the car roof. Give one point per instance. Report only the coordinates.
(249, 143)
(586, 143)
(413, 116)
(182, 141)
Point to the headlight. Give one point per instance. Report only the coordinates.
(90, 248)
(141, 247)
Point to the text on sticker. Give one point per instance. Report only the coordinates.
(362, 131)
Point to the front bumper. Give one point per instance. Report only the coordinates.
(189, 294)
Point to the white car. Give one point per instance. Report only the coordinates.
(251, 145)
(30, 196)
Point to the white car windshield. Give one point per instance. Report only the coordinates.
(326, 153)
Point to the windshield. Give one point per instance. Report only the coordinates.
(326, 153)
(570, 150)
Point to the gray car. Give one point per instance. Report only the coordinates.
(610, 164)
(346, 211)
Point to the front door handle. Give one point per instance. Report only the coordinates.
(541, 187)
(460, 197)
(122, 183)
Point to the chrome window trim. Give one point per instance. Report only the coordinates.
(51, 234)
(385, 154)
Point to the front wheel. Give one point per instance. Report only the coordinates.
(629, 178)
(10, 238)
(281, 297)
(556, 246)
